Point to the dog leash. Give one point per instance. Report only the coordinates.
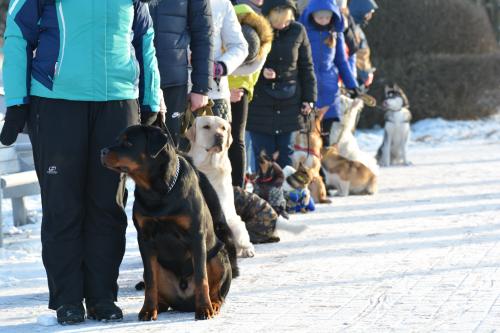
(188, 117)
(177, 169)
(367, 99)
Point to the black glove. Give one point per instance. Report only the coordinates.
(148, 117)
(15, 119)
(151, 118)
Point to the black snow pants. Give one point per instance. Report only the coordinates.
(84, 221)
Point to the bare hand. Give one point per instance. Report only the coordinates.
(163, 106)
(269, 73)
(197, 101)
(236, 95)
(306, 108)
(369, 80)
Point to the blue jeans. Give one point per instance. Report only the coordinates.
(271, 143)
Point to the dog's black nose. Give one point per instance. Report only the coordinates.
(104, 151)
(219, 138)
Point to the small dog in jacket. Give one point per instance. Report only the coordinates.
(269, 182)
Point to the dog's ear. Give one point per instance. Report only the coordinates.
(319, 115)
(229, 140)
(157, 140)
(262, 154)
(276, 154)
(190, 133)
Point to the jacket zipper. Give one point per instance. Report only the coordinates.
(13, 7)
(63, 26)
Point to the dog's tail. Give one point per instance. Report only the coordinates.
(292, 227)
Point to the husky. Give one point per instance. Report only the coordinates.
(396, 129)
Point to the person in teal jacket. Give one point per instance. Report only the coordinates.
(78, 73)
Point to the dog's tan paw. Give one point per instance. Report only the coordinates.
(204, 313)
(148, 314)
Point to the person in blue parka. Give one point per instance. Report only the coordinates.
(78, 73)
(325, 26)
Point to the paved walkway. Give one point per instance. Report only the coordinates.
(423, 255)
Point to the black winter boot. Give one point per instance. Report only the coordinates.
(104, 310)
(69, 314)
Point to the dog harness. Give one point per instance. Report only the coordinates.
(307, 150)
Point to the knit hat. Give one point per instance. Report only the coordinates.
(270, 4)
(253, 41)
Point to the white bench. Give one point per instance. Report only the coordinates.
(15, 187)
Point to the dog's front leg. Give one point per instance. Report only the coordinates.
(386, 147)
(149, 310)
(343, 188)
(405, 145)
(203, 306)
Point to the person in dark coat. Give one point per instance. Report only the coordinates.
(180, 25)
(287, 86)
(362, 11)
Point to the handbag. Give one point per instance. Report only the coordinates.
(281, 90)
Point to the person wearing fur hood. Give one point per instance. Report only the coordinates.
(259, 36)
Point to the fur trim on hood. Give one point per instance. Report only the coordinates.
(263, 29)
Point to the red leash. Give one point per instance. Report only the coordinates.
(307, 150)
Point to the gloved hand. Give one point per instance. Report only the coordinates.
(15, 119)
(151, 118)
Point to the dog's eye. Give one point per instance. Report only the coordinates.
(206, 127)
(126, 144)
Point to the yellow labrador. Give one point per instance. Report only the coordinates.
(210, 138)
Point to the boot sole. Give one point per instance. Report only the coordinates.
(104, 320)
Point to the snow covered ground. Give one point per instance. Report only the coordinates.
(423, 255)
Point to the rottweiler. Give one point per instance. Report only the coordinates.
(186, 246)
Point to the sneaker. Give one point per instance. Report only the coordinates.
(104, 310)
(70, 314)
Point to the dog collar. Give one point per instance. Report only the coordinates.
(264, 180)
(172, 184)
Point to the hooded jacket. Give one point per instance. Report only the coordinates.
(328, 61)
(246, 75)
(358, 9)
(85, 51)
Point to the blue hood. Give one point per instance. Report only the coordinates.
(316, 5)
(359, 8)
